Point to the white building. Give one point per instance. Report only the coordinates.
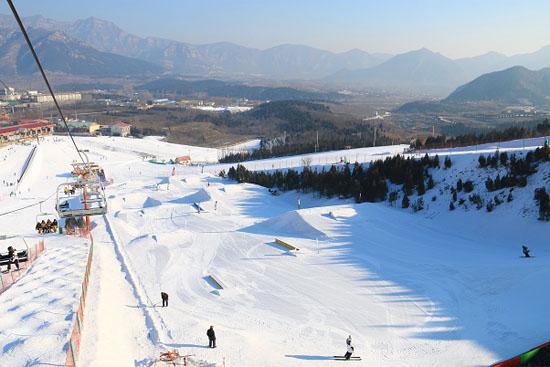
(120, 129)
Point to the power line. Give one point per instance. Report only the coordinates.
(31, 47)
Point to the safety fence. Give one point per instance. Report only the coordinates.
(9, 278)
(76, 334)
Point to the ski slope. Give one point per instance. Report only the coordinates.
(427, 289)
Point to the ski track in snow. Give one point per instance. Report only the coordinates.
(418, 289)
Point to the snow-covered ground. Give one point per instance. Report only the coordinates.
(427, 289)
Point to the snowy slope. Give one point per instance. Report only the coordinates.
(426, 289)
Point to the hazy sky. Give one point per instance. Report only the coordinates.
(456, 28)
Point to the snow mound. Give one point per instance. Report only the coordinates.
(138, 201)
(199, 196)
(291, 224)
(150, 202)
(192, 179)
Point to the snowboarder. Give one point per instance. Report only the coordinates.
(12, 254)
(525, 250)
(211, 337)
(350, 351)
(164, 297)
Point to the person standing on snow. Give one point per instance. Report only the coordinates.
(350, 350)
(164, 297)
(211, 337)
(525, 250)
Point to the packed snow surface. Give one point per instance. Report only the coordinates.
(427, 289)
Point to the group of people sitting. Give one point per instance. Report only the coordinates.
(49, 226)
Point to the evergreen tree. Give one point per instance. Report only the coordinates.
(393, 197)
(459, 185)
(468, 186)
(489, 184)
(431, 183)
(436, 161)
(504, 158)
(543, 200)
(421, 188)
(405, 202)
(448, 162)
(482, 161)
(418, 205)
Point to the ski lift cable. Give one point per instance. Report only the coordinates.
(27, 206)
(37, 60)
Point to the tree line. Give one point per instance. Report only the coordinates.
(364, 184)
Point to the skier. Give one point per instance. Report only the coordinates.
(211, 337)
(525, 250)
(351, 349)
(164, 297)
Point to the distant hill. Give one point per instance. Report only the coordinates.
(218, 88)
(517, 85)
(216, 59)
(420, 70)
(62, 54)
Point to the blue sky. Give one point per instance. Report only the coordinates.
(456, 28)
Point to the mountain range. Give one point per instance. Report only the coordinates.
(63, 54)
(216, 59)
(426, 71)
(95, 46)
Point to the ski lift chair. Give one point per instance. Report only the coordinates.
(95, 203)
(5, 242)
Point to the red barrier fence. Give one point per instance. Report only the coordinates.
(8, 279)
(74, 342)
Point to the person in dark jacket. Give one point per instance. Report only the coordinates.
(12, 254)
(164, 297)
(38, 227)
(211, 337)
(525, 250)
(349, 352)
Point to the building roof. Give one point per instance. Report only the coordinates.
(24, 125)
(122, 124)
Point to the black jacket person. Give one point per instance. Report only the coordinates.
(211, 337)
(164, 297)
